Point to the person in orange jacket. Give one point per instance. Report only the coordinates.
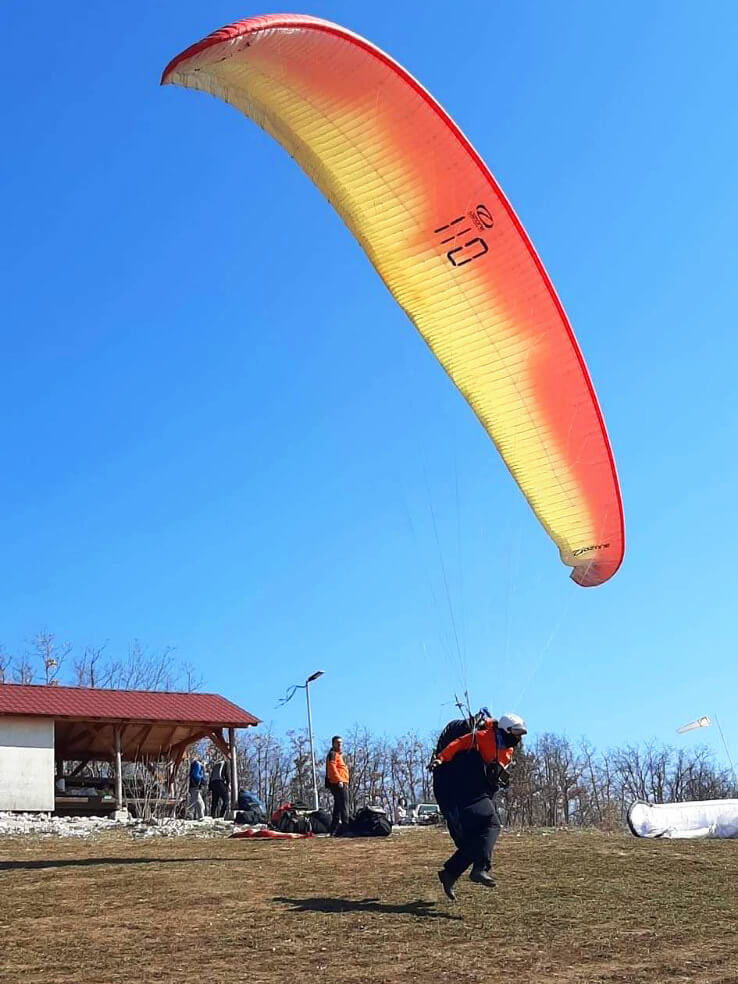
(337, 780)
(468, 771)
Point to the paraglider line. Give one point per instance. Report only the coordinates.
(445, 579)
(544, 651)
(727, 752)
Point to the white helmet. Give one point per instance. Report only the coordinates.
(512, 724)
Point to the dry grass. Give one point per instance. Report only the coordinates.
(569, 907)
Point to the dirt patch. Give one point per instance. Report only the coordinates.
(580, 908)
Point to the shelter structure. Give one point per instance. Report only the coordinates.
(45, 728)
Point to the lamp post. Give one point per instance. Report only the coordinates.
(311, 679)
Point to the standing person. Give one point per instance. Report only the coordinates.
(218, 786)
(337, 780)
(468, 771)
(197, 778)
(401, 811)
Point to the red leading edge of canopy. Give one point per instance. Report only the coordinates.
(595, 573)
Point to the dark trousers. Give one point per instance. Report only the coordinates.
(474, 830)
(340, 806)
(219, 794)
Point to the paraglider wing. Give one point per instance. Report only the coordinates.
(442, 236)
(690, 819)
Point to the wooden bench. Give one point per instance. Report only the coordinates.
(72, 806)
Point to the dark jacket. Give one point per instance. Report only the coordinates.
(220, 773)
(470, 770)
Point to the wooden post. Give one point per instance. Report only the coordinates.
(118, 772)
(174, 765)
(234, 768)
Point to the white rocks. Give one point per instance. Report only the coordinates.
(47, 825)
(207, 827)
(12, 824)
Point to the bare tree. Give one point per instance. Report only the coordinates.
(191, 678)
(89, 667)
(139, 669)
(300, 782)
(5, 660)
(522, 800)
(50, 654)
(22, 669)
(143, 670)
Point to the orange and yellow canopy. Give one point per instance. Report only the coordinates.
(447, 244)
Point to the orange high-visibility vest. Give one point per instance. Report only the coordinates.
(336, 769)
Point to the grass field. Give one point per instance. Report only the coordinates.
(570, 907)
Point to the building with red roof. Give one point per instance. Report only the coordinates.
(45, 728)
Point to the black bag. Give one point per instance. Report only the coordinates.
(369, 822)
(251, 817)
(292, 822)
(320, 822)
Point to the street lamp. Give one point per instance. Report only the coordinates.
(311, 679)
(285, 700)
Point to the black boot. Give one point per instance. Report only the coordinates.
(481, 876)
(448, 883)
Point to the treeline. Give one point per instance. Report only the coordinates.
(382, 770)
(48, 660)
(555, 782)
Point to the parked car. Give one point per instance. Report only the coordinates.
(426, 813)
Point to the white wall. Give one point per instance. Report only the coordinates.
(26, 763)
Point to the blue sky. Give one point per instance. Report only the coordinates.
(250, 455)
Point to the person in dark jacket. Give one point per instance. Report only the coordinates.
(468, 771)
(337, 780)
(219, 787)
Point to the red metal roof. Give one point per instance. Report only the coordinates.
(34, 700)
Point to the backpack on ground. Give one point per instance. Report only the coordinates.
(251, 817)
(292, 822)
(320, 822)
(370, 821)
(282, 808)
(250, 801)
